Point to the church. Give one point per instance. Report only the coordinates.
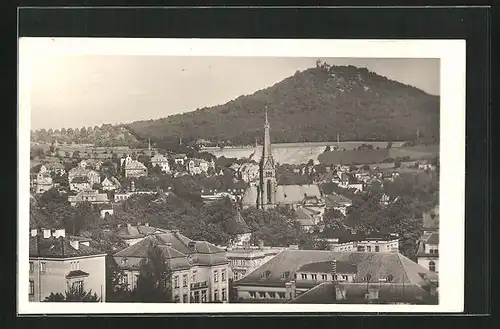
(268, 194)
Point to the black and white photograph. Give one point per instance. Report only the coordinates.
(241, 175)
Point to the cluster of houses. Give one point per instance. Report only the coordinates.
(367, 269)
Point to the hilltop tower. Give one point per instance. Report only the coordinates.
(268, 182)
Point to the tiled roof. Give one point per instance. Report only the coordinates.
(325, 267)
(355, 294)
(345, 235)
(134, 164)
(80, 180)
(378, 265)
(433, 238)
(77, 273)
(333, 200)
(176, 245)
(138, 231)
(58, 248)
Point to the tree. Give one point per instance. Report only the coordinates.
(328, 148)
(76, 154)
(73, 294)
(397, 163)
(153, 283)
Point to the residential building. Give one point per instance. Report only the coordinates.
(134, 168)
(249, 172)
(198, 166)
(268, 194)
(180, 159)
(338, 202)
(161, 161)
(244, 260)
(428, 250)
(199, 269)
(110, 184)
(292, 273)
(43, 181)
(118, 197)
(92, 196)
(131, 234)
(80, 183)
(82, 171)
(58, 262)
(308, 218)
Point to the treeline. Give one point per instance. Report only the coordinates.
(105, 135)
(312, 105)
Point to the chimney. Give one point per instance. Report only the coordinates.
(74, 244)
(293, 289)
(60, 233)
(146, 224)
(333, 269)
(46, 233)
(33, 232)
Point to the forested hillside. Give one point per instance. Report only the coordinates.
(312, 105)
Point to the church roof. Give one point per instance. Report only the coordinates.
(292, 194)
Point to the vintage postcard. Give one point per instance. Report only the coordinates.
(241, 175)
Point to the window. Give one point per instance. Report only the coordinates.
(177, 299)
(216, 295)
(314, 276)
(78, 285)
(185, 280)
(125, 278)
(369, 248)
(361, 248)
(196, 296)
(124, 261)
(432, 266)
(223, 275)
(377, 248)
(176, 281)
(324, 277)
(203, 296)
(194, 276)
(262, 294)
(281, 295)
(303, 276)
(344, 277)
(252, 294)
(185, 298)
(42, 267)
(223, 294)
(32, 288)
(32, 267)
(216, 276)
(236, 276)
(272, 294)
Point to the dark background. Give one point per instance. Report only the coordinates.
(471, 24)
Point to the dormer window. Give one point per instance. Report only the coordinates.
(285, 275)
(266, 274)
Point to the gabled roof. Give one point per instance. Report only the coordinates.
(292, 194)
(378, 265)
(134, 164)
(58, 248)
(175, 245)
(75, 274)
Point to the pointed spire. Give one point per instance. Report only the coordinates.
(267, 155)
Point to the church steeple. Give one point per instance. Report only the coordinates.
(268, 183)
(267, 155)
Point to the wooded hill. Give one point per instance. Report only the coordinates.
(312, 105)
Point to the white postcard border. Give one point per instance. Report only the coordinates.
(452, 154)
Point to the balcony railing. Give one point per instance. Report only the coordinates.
(199, 285)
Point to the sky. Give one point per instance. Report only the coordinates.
(76, 90)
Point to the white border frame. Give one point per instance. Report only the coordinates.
(452, 155)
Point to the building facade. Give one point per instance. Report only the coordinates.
(244, 260)
(428, 250)
(134, 168)
(200, 270)
(161, 161)
(82, 171)
(92, 196)
(57, 263)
